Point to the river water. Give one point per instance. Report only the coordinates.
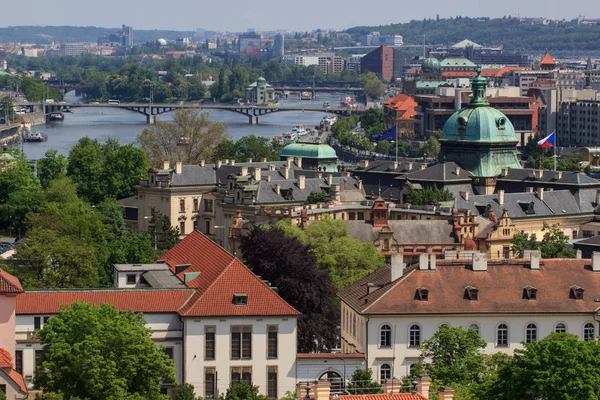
(123, 125)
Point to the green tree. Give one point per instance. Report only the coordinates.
(97, 352)
(524, 241)
(428, 195)
(243, 391)
(372, 86)
(554, 244)
(383, 147)
(162, 234)
(191, 137)
(52, 166)
(317, 197)
(559, 366)
(185, 392)
(361, 382)
(432, 148)
(373, 122)
(7, 110)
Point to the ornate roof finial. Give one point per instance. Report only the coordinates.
(478, 85)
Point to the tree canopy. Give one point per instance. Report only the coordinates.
(191, 137)
(97, 352)
(554, 244)
(428, 195)
(288, 264)
(250, 146)
(361, 382)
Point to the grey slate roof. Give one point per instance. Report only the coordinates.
(444, 172)
(140, 267)
(194, 175)
(568, 177)
(162, 279)
(406, 231)
(386, 166)
(267, 192)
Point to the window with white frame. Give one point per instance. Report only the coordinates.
(385, 373)
(560, 328)
(588, 331)
(531, 333)
(502, 335)
(385, 337)
(414, 336)
(475, 327)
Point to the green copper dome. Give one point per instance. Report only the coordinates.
(479, 137)
(308, 150)
(431, 65)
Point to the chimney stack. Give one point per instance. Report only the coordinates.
(202, 163)
(558, 175)
(410, 166)
(364, 163)
(423, 261)
(257, 174)
(244, 171)
(301, 182)
(268, 178)
(457, 171)
(541, 193)
(277, 188)
(423, 166)
(232, 162)
(397, 266)
(423, 384)
(579, 254)
(178, 166)
(264, 159)
(318, 175)
(166, 164)
(249, 161)
(596, 261)
(271, 167)
(289, 161)
(299, 162)
(334, 193)
(330, 179)
(446, 393)
(392, 386)
(534, 258)
(501, 197)
(360, 184)
(479, 261)
(505, 172)
(218, 163)
(285, 171)
(465, 195)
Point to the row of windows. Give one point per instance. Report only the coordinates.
(237, 375)
(502, 333)
(208, 205)
(241, 342)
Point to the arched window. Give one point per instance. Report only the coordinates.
(502, 335)
(531, 333)
(560, 328)
(385, 373)
(588, 331)
(414, 336)
(385, 338)
(475, 327)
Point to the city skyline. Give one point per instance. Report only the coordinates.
(270, 15)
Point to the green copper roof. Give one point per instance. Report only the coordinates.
(431, 84)
(308, 150)
(431, 65)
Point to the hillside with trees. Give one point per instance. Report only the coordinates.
(512, 33)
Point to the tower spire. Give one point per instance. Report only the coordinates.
(478, 85)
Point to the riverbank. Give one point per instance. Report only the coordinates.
(10, 134)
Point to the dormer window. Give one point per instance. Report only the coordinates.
(471, 293)
(422, 294)
(240, 299)
(576, 293)
(530, 293)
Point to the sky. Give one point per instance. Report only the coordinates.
(265, 15)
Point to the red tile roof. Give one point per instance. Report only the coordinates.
(217, 299)
(5, 359)
(9, 284)
(547, 60)
(403, 105)
(500, 289)
(18, 379)
(137, 300)
(392, 396)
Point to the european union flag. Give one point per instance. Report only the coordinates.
(388, 135)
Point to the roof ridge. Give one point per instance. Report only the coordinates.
(390, 288)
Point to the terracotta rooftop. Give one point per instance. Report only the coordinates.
(136, 300)
(9, 284)
(500, 289)
(5, 359)
(547, 60)
(392, 396)
(7, 364)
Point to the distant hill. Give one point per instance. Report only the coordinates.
(66, 34)
(513, 33)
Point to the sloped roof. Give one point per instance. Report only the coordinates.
(136, 300)
(464, 44)
(6, 363)
(500, 289)
(9, 284)
(444, 172)
(194, 175)
(383, 396)
(5, 359)
(547, 60)
(406, 231)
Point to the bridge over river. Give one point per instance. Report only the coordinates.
(154, 109)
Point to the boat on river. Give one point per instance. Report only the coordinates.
(35, 137)
(306, 96)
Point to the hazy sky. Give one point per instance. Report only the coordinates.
(239, 15)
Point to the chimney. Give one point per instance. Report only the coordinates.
(268, 178)
(501, 197)
(541, 193)
(299, 162)
(457, 171)
(558, 175)
(202, 163)
(394, 165)
(423, 166)
(285, 171)
(596, 261)
(364, 163)
(178, 166)
(218, 163)
(446, 393)
(392, 386)
(397, 266)
(257, 173)
(532, 173)
(530, 189)
(579, 255)
(534, 258)
(479, 261)
(226, 161)
(318, 175)
(249, 161)
(432, 262)
(410, 166)
(166, 164)
(423, 261)
(244, 171)
(271, 167)
(423, 384)
(277, 188)
(335, 192)
(289, 161)
(330, 179)
(360, 185)
(597, 196)
(301, 182)
(505, 172)
(465, 195)
(322, 390)
(232, 162)
(264, 159)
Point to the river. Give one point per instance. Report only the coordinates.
(124, 125)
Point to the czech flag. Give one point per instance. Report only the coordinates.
(548, 141)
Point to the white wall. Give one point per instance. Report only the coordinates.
(400, 356)
(194, 352)
(310, 370)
